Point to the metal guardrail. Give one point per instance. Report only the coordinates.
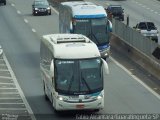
(135, 39)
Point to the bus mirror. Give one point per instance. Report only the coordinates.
(71, 27)
(105, 67)
(109, 25)
(52, 69)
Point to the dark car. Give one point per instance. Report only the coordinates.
(3, 1)
(41, 7)
(115, 11)
(148, 29)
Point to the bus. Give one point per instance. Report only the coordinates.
(73, 72)
(89, 19)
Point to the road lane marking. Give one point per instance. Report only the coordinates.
(5, 77)
(3, 70)
(12, 109)
(19, 12)
(8, 92)
(12, 4)
(13, 104)
(9, 98)
(143, 6)
(33, 30)
(2, 64)
(136, 78)
(2, 83)
(19, 89)
(156, 12)
(140, 4)
(25, 20)
(8, 89)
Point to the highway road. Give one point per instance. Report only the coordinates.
(20, 38)
(138, 10)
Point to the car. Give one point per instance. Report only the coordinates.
(148, 29)
(115, 11)
(41, 7)
(3, 1)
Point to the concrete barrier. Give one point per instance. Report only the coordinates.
(137, 56)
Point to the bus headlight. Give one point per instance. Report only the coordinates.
(99, 96)
(60, 98)
(106, 54)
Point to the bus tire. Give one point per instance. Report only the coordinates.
(49, 13)
(96, 110)
(55, 111)
(45, 95)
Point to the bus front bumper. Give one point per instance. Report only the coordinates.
(97, 104)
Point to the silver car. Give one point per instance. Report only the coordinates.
(148, 29)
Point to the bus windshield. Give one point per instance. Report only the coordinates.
(78, 76)
(95, 29)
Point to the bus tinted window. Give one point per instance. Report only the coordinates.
(78, 76)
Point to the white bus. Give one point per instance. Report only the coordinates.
(86, 18)
(72, 71)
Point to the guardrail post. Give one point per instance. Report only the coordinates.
(127, 20)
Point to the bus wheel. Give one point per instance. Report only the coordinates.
(96, 110)
(49, 13)
(46, 97)
(57, 111)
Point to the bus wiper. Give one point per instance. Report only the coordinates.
(94, 37)
(70, 84)
(86, 83)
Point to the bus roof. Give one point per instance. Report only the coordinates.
(82, 9)
(71, 46)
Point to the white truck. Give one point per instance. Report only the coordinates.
(73, 72)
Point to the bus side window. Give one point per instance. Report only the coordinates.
(52, 71)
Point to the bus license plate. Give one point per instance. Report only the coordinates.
(81, 106)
